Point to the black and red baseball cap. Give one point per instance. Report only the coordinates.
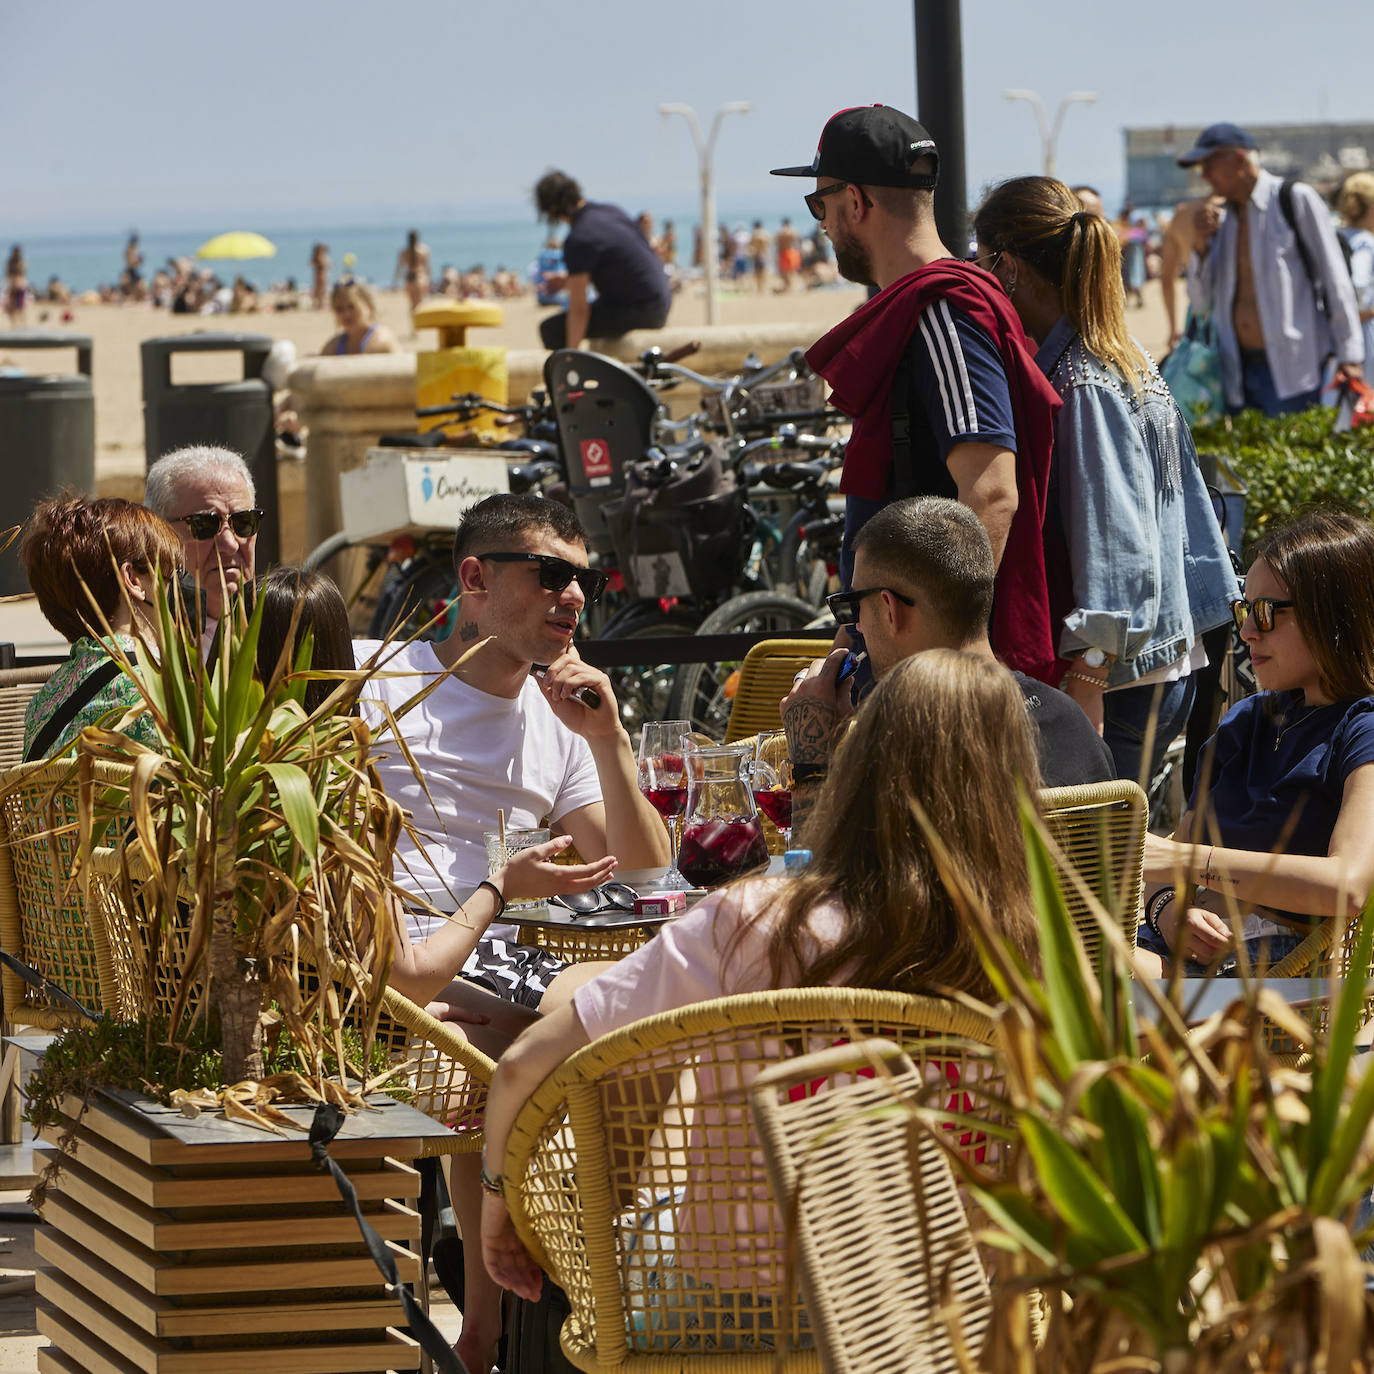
(871, 145)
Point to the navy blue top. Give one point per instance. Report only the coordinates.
(957, 393)
(1277, 759)
(605, 243)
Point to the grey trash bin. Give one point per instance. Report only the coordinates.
(47, 437)
(233, 415)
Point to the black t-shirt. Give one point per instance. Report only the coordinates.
(1071, 751)
(605, 243)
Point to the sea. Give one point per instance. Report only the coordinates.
(86, 261)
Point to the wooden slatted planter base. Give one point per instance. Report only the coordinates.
(178, 1246)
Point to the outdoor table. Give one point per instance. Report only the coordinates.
(607, 935)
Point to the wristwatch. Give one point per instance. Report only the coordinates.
(1094, 658)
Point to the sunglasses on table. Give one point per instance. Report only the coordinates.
(556, 573)
(608, 897)
(1263, 609)
(844, 606)
(206, 524)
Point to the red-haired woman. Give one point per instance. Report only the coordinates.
(81, 555)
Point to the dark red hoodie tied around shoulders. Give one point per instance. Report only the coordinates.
(859, 358)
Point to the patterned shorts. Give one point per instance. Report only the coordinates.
(519, 973)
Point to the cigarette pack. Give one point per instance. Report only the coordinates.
(661, 904)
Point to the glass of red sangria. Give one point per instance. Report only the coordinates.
(772, 781)
(663, 780)
(722, 835)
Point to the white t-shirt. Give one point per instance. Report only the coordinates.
(476, 752)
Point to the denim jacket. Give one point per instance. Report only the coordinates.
(1150, 568)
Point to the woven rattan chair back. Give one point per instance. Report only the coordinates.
(634, 1175)
(1100, 830)
(884, 1248)
(765, 678)
(43, 917)
(17, 688)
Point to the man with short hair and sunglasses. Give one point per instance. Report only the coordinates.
(934, 371)
(206, 494)
(923, 579)
(491, 736)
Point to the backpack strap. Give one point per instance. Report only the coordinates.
(1313, 280)
(902, 481)
(67, 712)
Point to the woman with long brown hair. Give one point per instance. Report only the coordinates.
(1281, 827)
(943, 740)
(1150, 570)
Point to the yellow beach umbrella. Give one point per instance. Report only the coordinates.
(239, 243)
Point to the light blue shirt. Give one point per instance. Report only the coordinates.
(1298, 338)
(1150, 569)
(1362, 276)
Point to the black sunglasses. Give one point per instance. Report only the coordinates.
(815, 202)
(206, 524)
(556, 573)
(1263, 607)
(844, 606)
(607, 897)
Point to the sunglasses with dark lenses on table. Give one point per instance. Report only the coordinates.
(844, 606)
(556, 573)
(1263, 608)
(607, 897)
(206, 524)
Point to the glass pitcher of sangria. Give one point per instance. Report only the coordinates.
(722, 835)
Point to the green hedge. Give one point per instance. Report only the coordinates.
(1292, 460)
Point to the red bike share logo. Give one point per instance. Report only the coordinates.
(596, 459)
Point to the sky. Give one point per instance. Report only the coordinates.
(295, 112)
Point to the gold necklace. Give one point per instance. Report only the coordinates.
(1278, 739)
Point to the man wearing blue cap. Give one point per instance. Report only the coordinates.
(1268, 268)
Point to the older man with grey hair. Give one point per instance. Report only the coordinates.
(207, 495)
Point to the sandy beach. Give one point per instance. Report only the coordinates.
(117, 331)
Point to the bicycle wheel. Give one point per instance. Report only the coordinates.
(807, 566)
(410, 596)
(702, 692)
(642, 691)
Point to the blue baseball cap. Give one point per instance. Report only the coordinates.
(1212, 139)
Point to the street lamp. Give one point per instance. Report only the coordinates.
(1049, 134)
(706, 149)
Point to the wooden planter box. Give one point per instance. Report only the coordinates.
(180, 1246)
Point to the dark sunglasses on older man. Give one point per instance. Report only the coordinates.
(556, 573)
(206, 524)
(1263, 609)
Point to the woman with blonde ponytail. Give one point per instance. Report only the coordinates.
(1150, 569)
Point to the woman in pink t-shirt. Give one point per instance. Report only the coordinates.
(945, 735)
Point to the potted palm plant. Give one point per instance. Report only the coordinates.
(254, 846)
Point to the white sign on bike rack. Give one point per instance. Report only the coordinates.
(397, 488)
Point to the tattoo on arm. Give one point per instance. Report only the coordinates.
(810, 729)
(467, 631)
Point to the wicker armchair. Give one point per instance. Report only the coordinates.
(1100, 830)
(764, 679)
(42, 908)
(605, 1155)
(17, 688)
(838, 1161)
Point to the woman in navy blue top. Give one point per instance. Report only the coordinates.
(1280, 828)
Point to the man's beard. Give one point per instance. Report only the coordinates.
(852, 260)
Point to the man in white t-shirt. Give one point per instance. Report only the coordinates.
(489, 735)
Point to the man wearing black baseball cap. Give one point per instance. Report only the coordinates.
(934, 371)
(1268, 269)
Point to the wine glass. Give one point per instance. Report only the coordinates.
(663, 780)
(772, 781)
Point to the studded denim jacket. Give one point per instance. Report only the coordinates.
(1150, 568)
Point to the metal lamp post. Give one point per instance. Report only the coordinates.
(1049, 133)
(706, 149)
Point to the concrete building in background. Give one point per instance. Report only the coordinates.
(1321, 154)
